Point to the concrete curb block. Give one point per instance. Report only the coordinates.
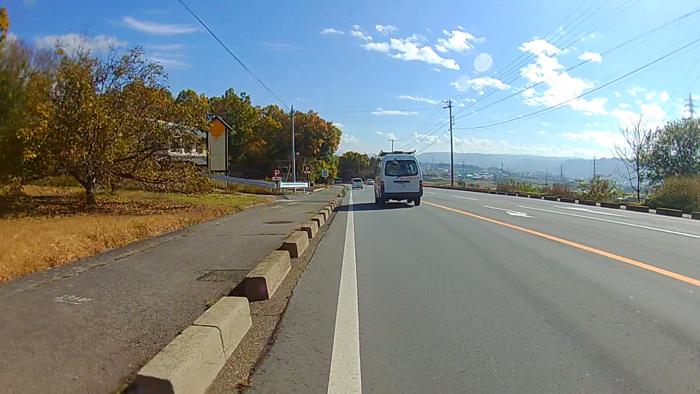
(637, 208)
(587, 202)
(262, 282)
(612, 205)
(550, 198)
(191, 361)
(325, 212)
(311, 228)
(567, 200)
(695, 215)
(320, 219)
(669, 212)
(295, 243)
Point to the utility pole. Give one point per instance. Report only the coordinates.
(452, 155)
(294, 153)
(392, 144)
(546, 177)
(593, 167)
(561, 173)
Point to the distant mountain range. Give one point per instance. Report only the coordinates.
(573, 167)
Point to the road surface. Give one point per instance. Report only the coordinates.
(474, 292)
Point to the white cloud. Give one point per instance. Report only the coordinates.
(72, 43)
(385, 29)
(330, 30)
(418, 98)
(160, 29)
(470, 100)
(617, 94)
(541, 132)
(483, 62)
(663, 96)
(426, 138)
(652, 114)
(456, 41)
(338, 125)
(437, 70)
(604, 139)
(545, 124)
(591, 57)
(560, 86)
(478, 84)
(382, 47)
(409, 49)
(389, 136)
(635, 90)
(173, 62)
(502, 146)
(357, 32)
(649, 96)
(393, 112)
(348, 142)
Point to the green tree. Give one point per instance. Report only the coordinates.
(353, 164)
(114, 119)
(675, 150)
(25, 82)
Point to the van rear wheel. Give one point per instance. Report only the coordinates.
(416, 202)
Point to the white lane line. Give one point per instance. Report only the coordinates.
(592, 211)
(510, 212)
(615, 221)
(466, 198)
(345, 374)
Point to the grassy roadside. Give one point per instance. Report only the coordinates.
(50, 227)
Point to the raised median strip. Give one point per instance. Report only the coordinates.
(191, 361)
(613, 205)
(587, 202)
(567, 199)
(695, 215)
(295, 243)
(669, 212)
(262, 282)
(637, 208)
(319, 218)
(311, 228)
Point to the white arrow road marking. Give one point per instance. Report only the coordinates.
(592, 211)
(511, 212)
(345, 374)
(614, 221)
(467, 198)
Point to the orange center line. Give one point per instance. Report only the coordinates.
(577, 245)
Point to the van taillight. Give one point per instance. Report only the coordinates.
(381, 186)
(420, 184)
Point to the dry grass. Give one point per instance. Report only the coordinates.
(50, 226)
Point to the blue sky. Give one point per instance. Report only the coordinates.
(381, 69)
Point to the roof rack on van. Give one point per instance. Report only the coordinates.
(397, 152)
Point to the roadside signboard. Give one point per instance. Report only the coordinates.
(277, 175)
(324, 173)
(307, 169)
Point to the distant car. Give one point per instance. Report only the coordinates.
(370, 182)
(357, 183)
(338, 181)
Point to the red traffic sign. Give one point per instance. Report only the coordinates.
(277, 175)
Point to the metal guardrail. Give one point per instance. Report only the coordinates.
(244, 181)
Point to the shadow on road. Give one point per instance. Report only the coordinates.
(370, 206)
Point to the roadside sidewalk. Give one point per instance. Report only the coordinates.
(89, 327)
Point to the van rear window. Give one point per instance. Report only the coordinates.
(400, 168)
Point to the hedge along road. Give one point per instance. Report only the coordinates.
(450, 302)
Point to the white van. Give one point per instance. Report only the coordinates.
(398, 178)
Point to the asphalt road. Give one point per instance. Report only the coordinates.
(473, 292)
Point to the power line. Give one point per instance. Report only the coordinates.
(606, 52)
(201, 22)
(554, 107)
